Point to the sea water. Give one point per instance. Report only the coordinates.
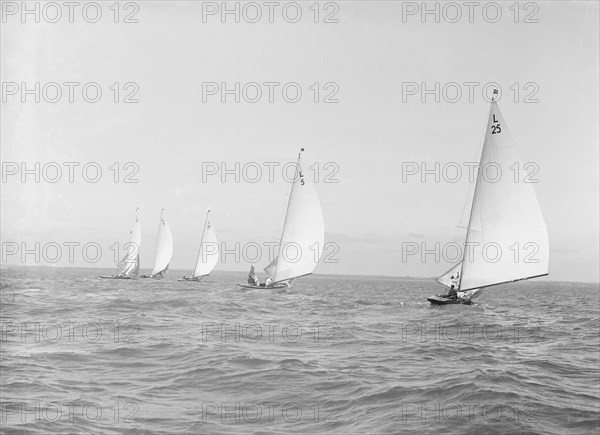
(331, 355)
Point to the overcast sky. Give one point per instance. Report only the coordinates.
(369, 135)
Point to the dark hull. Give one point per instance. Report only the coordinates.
(115, 277)
(442, 300)
(262, 286)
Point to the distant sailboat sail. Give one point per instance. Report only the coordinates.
(208, 254)
(164, 248)
(303, 232)
(130, 265)
(506, 239)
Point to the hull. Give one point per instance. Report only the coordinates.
(441, 300)
(190, 279)
(115, 277)
(262, 286)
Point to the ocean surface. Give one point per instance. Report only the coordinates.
(346, 355)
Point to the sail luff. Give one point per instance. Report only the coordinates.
(460, 278)
(206, 262)
(287, 210)
(201, 241)
(164, 247)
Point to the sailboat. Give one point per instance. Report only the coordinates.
(164, 249)
(129, 266)
(208, 254)
(302, 237)
(507, 238)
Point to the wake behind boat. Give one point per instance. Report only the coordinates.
(505, 214)
(303, 230)
(208, 253)
(164, 249)
(129, 266)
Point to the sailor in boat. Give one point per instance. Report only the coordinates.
(452, 293)
(269, 281)
(252, 278)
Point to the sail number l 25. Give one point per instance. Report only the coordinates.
(495, 128)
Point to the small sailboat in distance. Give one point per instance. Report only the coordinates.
(129, 266)
(506, 238)
(302, 237)
(208, 253)
(164, 249)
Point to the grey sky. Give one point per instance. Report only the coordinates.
(368, 134)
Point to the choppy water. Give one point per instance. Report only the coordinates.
(338, 355)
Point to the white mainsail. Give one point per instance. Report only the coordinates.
(303, 232)
(130, 264)
(164, 248)
(208, 254)
(507, 239)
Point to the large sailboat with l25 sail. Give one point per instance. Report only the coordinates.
(302, 237)
(506, 238)
(129, 266)
(164, 249)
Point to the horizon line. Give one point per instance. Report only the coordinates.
(243, 271)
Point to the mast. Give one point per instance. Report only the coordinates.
(201, 242)
(475, 189)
